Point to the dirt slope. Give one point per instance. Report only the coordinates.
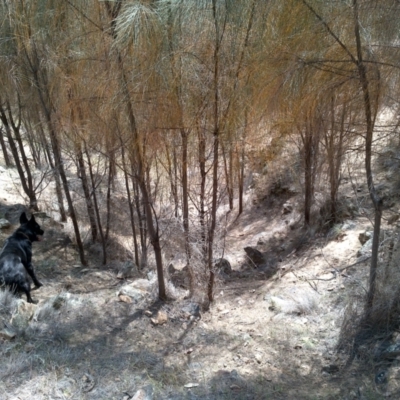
(266, 337)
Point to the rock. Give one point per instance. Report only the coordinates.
(4, 223)
(23, 314)
(258, 358)
(145, 393)
(124, 298)
(365, 236)
(136, 294)
(160, 319)
(191, 385)
(366, 250)
(255, 255)
(127, 270)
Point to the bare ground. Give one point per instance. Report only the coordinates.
(265, 337)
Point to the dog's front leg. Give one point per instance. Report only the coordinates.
(31, 273)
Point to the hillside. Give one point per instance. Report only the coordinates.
(267, 336)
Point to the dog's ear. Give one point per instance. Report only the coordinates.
(32, 219)
(23, 219)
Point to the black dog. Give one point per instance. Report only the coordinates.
(16, 257)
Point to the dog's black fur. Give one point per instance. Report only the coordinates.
(16, 257)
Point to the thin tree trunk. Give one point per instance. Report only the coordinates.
(43, 98)
(228, 174)
(96, 206)
(3, 145)
(26, 180)
(376, 200)
(142, 221)
(213, 216)
(56, 174)
(109, 184)
(172, 170)
(202, 196)
(86, 191)
(185, 208)
(241, 162)
(131, 209)
(72, 213)
(307, 176)
(113, 12)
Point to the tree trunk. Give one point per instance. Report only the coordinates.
(86, 192)
(137, 155)
(72, 213)
(228, 168)
(142, 221)
(96, 206)
(376, 200)
(110, 181)
(44, 101)
(213, 216)
(131, 209)
(202, 195)
(3, 145)
(23, 168)
(185, 208)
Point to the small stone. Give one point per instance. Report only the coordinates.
(144, 393)
(4, 223)
(191, 385)
(160, 319)
(139, 395)
(124, 298)
(365, 236)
